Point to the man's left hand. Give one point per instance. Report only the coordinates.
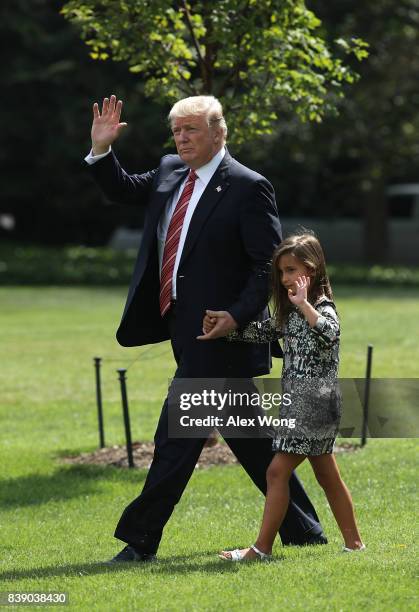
(221, 322)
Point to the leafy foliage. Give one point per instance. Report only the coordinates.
(260, 57)
(73, 265)
(375, 138)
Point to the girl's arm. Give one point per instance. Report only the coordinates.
(260, 332)
(324, 321)
(327, 327)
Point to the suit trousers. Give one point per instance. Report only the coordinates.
(143, 520)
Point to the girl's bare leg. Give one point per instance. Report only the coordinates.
(276, 503)
(339, 497)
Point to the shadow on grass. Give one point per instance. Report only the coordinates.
(178, 564)
(65, 483)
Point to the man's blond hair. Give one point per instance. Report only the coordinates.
(208, 106)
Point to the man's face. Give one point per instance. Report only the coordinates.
(196, 142)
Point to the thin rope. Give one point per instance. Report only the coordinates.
(131, 362)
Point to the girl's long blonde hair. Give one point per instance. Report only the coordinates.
(307, 249)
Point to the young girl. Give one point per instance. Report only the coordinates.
(305, 317)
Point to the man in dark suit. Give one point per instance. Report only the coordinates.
(210, 229)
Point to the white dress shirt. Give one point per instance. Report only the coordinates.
(204, 175)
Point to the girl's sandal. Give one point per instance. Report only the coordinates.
(237, 555)
(349, 550)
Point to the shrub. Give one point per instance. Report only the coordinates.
(78, 265)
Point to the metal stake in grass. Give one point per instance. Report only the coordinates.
(122, 373)
(97, 362)
(366, 395)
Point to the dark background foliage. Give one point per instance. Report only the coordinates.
(338, 168)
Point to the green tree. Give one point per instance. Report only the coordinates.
(49, 82)
(376, 135)
(262, 58)
(343, 166)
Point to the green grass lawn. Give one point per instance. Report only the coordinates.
(57, 521)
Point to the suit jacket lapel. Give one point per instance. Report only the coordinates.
(165, 190)
(213, 192)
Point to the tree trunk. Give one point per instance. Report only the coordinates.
(376, 226)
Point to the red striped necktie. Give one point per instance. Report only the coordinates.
(172, 243)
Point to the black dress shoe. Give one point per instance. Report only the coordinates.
(129, 554)
(316, 539)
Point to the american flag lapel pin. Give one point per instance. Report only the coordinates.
(218, 188)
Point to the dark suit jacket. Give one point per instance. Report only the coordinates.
(225, 263)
